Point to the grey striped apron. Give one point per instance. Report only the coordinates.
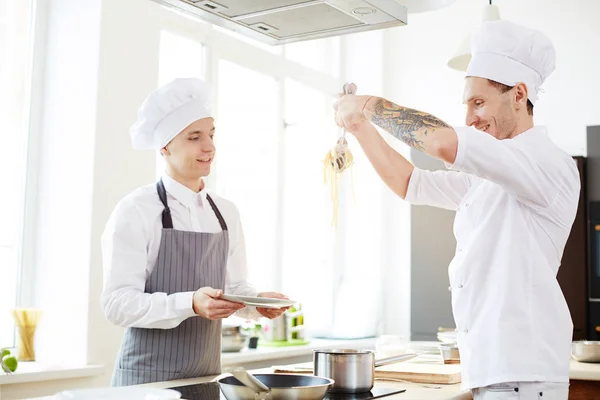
(186, 262)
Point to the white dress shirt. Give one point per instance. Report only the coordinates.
(130, 245)
(515, 202)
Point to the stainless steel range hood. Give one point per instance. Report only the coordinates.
(286, 21)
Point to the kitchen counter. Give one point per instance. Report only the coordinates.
(584, 381)
(413, 391)
(585, 377)
(584, 371)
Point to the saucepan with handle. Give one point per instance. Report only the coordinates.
(353, 371)
(245, 386)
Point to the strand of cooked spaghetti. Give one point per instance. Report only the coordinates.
(336, 161)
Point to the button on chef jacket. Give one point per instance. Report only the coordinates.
(515, 202)
(130, 246)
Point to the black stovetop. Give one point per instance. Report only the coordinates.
(211, 391)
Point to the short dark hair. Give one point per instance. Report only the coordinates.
(505, 88)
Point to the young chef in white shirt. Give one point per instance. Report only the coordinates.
(515, 194)
(170, 249)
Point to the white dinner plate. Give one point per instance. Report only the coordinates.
(119, 393)
(263, 302)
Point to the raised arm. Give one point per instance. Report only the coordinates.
(521, 169)
(417, 129)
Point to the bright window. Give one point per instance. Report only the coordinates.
(246, 163)
(15, 52)
(180, 57)
(309, 241)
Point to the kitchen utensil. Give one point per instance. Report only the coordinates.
(450, 353)
(275, 329)
(232, 344)
(230, 330)
(119, 393)
(282, 387)
(352, 370)
(263, 302)
(250, 381)
(425, 369)
(232, 339)
(586, 351)
(348, 88)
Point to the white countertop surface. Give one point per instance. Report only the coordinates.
(584, 371)
(579, 371)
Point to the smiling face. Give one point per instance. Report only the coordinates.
(492, 111)
(190, 154)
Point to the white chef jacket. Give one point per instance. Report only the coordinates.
(130, 245)
(515, 202)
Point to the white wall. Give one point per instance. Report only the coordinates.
(569, 103)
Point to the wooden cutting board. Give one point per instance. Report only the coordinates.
(421, 372)
(413, 371)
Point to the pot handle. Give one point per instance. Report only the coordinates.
(250, 381)
(391, 360)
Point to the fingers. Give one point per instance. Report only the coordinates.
(350, 88)
(218, 309)
(265, 312)
(224, 305)
(219, 315)
(211, 292)
(336, 108)
(272, 313)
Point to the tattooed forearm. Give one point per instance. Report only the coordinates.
(408, 125)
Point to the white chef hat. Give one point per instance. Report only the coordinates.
(167, 111)
(509, 53)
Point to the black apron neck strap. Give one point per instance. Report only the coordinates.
(167, 221)
(217, 213)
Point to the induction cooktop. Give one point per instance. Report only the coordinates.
(212, 391)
